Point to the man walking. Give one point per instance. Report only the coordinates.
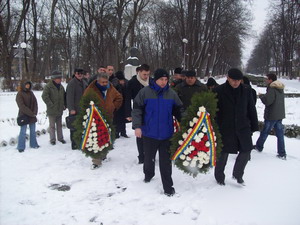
(237, 119)
(273, 115)
(134, 85)
(153, 110)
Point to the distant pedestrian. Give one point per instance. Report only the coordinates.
(153, 110)
(28, 106)
(211, 83)
(237, 120)
(273, 115)
(54, 97)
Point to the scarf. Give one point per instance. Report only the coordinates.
(102, 89)
(143, 82)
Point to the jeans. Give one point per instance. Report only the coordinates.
(268, 125)
(22, 137)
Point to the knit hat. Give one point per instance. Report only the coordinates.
(190, 73)
(120, 75)
(178, 70)
(160, 73)
(235, 74)
(56, 74)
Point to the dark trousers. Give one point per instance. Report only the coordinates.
(121, 128)
(238, 169)
(165, 166)
(139, 143)
(74, 146)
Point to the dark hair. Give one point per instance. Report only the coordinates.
(246, 80)
(79, 70)
(120, 75)
(272, 76)
(144, 67)
(137, 69)
(178, 70)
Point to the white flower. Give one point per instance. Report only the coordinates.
(204, 129)
(186, 152)
(88, 110)
(188, 158)
(200, 165)
(207, 144)
(95, 134)
(92, 103)
(85, 117)
(180, 142)
(106, 145)
(182, 156)
(185, 163)
(90, 149)
(191, 123)
(200, 135)
(197, 139)
(202, 109)
(195, 158)
(198, 113)
(94, 128)
(189, 130)
(193, 164)
(192, 148)
(184, 136)
(84, 123)
(93, 124)
(215, 138)
(195, 120)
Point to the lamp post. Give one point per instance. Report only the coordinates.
(20, 46)
(185, 41)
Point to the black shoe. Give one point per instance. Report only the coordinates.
(53, 142)
(94, 166)
(124, 135)
(21, 150)
(239, 180)
(63, 141)
(255, 148)
(222, 183)
(170, 194)
(147, 180)
(283, 157)
(141, 161)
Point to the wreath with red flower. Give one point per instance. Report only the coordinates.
(197, 144)
(94, 130)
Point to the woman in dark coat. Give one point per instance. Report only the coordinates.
(237, 120)
(27, 104)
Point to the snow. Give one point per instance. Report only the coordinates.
(116, 193)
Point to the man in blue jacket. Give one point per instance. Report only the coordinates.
(152, 114)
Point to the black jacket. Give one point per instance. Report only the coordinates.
(132, 89)
(236, 118)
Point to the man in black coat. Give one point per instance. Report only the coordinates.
(237, 120)
(134, 85)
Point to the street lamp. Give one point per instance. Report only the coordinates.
(185, 41)
(20, 47)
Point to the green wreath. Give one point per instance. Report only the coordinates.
(194, 156)
(80, 126)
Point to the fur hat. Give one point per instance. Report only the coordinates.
(235, 74)
(160, 73)
(56, 74)
(190, 73)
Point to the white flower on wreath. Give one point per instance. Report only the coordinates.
(185, 163)
(180, 142)
(195, 120)
(204, 129)
(182, 157)
(184, 135)
(202, 109)
(207, 144)
(191, 123)
(85, 117)
(92, 103)
(88, 110)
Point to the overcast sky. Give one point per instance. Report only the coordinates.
(259, 10)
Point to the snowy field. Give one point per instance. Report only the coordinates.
(116, 193)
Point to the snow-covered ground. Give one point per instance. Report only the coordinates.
(116, 193)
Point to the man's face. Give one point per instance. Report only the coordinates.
(234, 83)
(162, 82)
(268, 81)
(190, 80)
(57, 80)
(102, 81)
(79, 76)
(102, 70)
(144, 75)
(110, 70)
(177, 76)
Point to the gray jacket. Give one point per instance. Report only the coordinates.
(74, 92)
(274, 101)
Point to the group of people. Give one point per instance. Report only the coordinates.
(155, 101)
